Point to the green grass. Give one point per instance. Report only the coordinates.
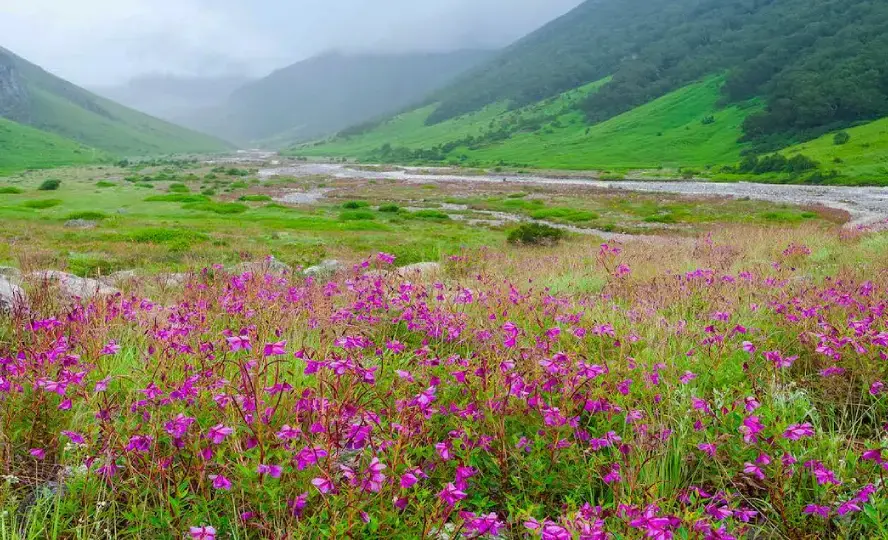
(11, 190)
(669, 132)
(863, 158)
(114, 128)
(23, 147)
(42, 204)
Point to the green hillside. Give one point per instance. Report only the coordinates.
(817, 65)
(38, 99)
(27, 148)
(863, 157)
(324, 94)
(684, 128)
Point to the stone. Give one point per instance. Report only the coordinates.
(10, 295)
(75, 286)
(419, 269)
(118, 278)
(323, 270)
(11, 273)
(80, 224)
(269, 265)
(172, 280)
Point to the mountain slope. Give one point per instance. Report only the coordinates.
(684, 128)
(330, 92)
(31, 96)
(817, 64)
(24, 147)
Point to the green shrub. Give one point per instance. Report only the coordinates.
(519, 195)
(660, 218)
(428, 214)
(50, 185)
(356, 215)
(104, 184)
(40, 204)
(354, 205)
(208, 192)
(10, 190)
(163, 235)
(567, 214)
(217, 208)
(92, 265)
(89, 215)
(391, 208)
(236, 172)
(178, 188)
(239, 185)
(841, 138)
(535, 234)
(177, 197)
(255, 198)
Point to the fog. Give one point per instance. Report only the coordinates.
(104, 42)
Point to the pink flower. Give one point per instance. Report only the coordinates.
(38, 453)
(795, 432)
(709, 448)
(75, 437)
(237, 343)
(876, 388)
(753, 470)
(779, 360)
(110, 348)
(750, 429)
(220, 482)
(822, 511)
(749, 347)
(450, 494)
(275, 349)
(202, 533)
(324, 485)
(273, 471)
(217, 433)
(385, 258)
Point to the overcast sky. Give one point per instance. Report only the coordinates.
(97, 42)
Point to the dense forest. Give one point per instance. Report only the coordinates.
(815, 64)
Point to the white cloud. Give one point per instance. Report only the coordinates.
(103, 41)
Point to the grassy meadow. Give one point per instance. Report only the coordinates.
(718, 377)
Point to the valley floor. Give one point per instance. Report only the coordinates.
(688, 366)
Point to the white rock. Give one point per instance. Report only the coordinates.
(325, 269)
(75, 286)
(419, 269)
(10, 295)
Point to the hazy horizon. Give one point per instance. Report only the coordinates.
(109, 42)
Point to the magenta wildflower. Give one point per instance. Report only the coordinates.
(451, 495)
(822, 511)
(708, 448)
(795, 432)
(217, 433)
(220, 482)
(75, 437)
(753, 470)
(275, 349)
(273, 471)
(238, 343)
(202, 533)
(324, 485)
(38, 453)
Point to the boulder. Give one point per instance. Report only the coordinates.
(80, 224)
(172, 280)
(10, 295)
(75, 286)
(323, 270)
(11, 273)
(116, 279)
(419, 269)
(269, 266)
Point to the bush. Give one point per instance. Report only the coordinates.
(178, 188)
(177, 197)
(841, 138)
(50, 185)
(357, 215)
(255, 198)
(535, 234)
(89, 215)
(391, 208)
(40, 204)
(429, 214)
(104, 184)
(10, 190)
(354, 205)
(217, 208)
(567, 214)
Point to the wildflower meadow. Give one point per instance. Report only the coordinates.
(721, 387)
